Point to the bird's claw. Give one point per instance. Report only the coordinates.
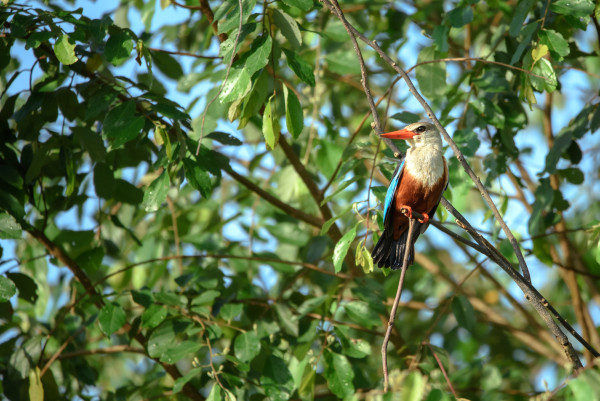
(407, 211)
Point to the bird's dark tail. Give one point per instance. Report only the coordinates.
(390, 253)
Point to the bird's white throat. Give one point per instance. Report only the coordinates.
(425, 163)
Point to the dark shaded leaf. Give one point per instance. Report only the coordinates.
(464, 312)
(303, 70)
(118, 47)
(122, 124)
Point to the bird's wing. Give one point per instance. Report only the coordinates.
(391, 192)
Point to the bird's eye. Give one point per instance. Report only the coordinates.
(420, 129)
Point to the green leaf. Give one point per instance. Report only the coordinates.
(247, 346)
(153, 316)
(572, 174)
(303, 5)
(339, 374)
(556, 43)
(581, 390)
(167, 64)
(276, 379)
(538, 52)
(7, 289)
(26, 286)
(362, 313)
(156, 193)
(303, 70)
(259, 54)
(226, 49)
(11, 204)
(122, 124)
(36, 389)
(176, 352)
(460, 16)
(352, 347)
(111, 318)
(224, 138)
(288, 27)
(180, 382)
(65, 50)
(90, 141)
(467, 141)
(544, 196)
(9, 228)
(232, 19)
(431, 77)
(197, 177)
(270, 128)
(294, 118)
(327, 225)
(413, 387)
(406, 117)
(341, 249)
(464, 312)
(118, 48)
(237, 85)
(575, 8)
(521, 12)
(561, 143)
(549, 82)
(288, 321)
(342, 62)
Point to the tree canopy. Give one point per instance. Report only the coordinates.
(190, 191)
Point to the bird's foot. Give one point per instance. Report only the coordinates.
(407, 211)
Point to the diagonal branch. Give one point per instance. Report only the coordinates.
(296, 213)
(332, 5)
(334, 231)
(539, 303)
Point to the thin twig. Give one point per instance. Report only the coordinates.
(390, 325)
(441, 368)
(180, 53)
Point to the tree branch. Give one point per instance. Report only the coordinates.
(390, 324)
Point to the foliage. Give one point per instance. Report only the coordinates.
(177, 229)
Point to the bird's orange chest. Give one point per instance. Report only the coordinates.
(420, 197)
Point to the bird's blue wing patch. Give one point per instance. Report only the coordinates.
(389, 196)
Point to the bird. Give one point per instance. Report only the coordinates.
(418, 183)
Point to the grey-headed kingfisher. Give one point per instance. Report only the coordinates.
(417, 184)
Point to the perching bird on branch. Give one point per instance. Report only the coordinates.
(417, 184)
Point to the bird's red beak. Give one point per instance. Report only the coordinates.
(402, 134)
